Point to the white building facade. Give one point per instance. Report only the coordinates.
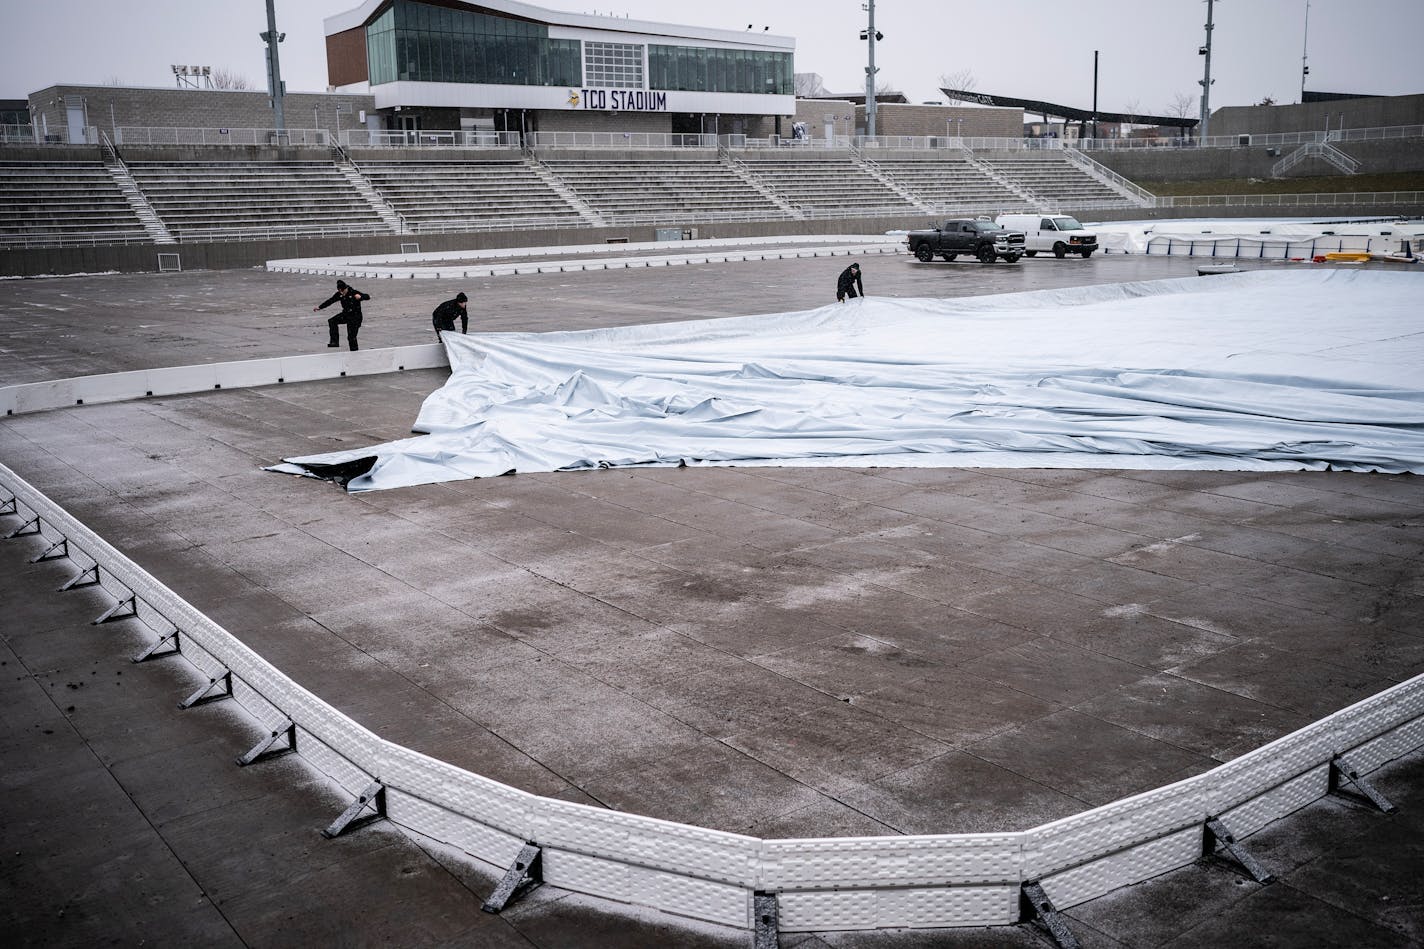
(512, 67)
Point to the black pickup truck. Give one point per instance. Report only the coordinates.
(982, 239)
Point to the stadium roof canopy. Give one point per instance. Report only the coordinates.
(1069, 112)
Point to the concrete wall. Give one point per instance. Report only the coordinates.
(1366, 113)
(1255, 161)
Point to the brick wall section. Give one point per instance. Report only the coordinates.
(917, 120)
(586, 120)
(109, 106)
(814, 111)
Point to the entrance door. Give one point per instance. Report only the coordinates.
(77, 119)
(410, 125)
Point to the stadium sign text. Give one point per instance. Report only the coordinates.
(619, 100)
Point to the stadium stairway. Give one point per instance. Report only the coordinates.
(557, 185)
(874, 171)
(134, 195)
(365, 189)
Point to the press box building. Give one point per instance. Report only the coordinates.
(504, 66)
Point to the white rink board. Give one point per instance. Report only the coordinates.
(928, 881)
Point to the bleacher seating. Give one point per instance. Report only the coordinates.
(690, 189)
(57, 202)
(1058, 181)
(828, 184)
(475, 194)
(63, 202)
(213, 198)
(950, 185)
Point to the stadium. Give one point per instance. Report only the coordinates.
(1102, 629)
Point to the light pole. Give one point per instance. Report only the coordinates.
(1304, 51)
(1095, 95)
(1205, 81)
(274, 68)
(871, 36)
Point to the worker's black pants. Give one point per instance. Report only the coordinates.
(353, 326)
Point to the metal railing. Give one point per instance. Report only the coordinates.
(621, 140)
(88, 239)
(781, 141)
(194, 235)
(1244, 139)
(1322, 150)
(1101, 171)
(136, 135)
(39, 135)
(405, 138)
(1335, 199)
(131, 135)
(1277, 248)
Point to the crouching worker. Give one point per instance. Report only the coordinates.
(849, 283)
(445, 313)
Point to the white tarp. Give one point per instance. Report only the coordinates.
(1293, 369)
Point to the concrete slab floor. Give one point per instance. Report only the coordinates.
(866, 651)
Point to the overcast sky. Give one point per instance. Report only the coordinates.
(1040, 49)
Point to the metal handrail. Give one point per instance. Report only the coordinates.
(622, 140)
(449, 138)
(137, 135)
(1099, 170)
(1340, 198)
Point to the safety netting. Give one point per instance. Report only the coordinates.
(1246, 371)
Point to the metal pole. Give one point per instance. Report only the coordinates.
(274, 67)
(870, 72)
(1205, 81)
(1304, 50)
(1095, 94)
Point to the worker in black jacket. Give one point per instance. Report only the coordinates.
(445, 313)
(350, 299)
(849, 283)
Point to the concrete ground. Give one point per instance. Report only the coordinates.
(780, 652)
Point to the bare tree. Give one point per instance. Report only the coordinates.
(224, 78)
(808, 84)
(1133, 109)
(961, 79)
(885, 88)
(1267, 101)
(1182, 106)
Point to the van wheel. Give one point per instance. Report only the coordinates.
(1060, 250)
(1087, 254)
(924, 253)
(986, 254)
(1011, 258)
(949, 256)
(1030, 253)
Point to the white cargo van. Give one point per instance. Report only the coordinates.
(1058, 233)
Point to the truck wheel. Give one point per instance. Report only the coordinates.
(1060, 250)
(986, 254)
(949, 256)
(1030, 253)
(1087, 254)
(1011, 258)
(924, 253)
